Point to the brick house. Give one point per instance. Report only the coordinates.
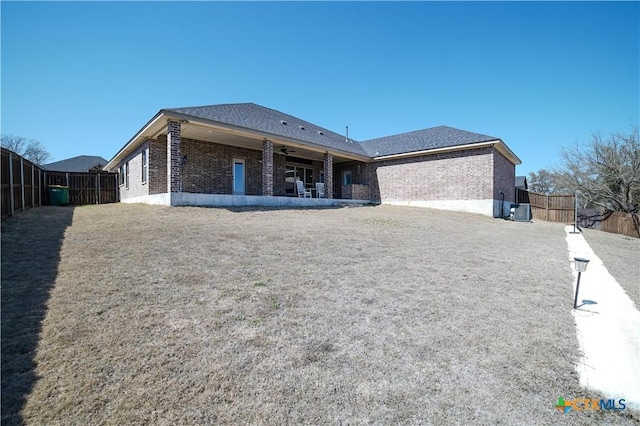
(246, 154)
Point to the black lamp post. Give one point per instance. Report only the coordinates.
(581, 266)
(575, 214)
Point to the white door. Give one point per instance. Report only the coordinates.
(238, 177)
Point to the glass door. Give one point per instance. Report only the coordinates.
(238, 177)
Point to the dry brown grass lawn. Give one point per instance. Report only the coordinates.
(380, 315)
(621, 255)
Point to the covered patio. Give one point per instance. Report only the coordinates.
(224, 165)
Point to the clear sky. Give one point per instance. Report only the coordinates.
(84, 77)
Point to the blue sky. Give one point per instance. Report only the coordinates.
(84, 77)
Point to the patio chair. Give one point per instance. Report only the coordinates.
(302, 191)
(320, 190)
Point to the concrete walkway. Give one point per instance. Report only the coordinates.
(608, 326)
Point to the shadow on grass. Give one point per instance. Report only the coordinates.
(31, 243)
(245, 209)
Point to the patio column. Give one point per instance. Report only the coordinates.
(174, 159)
(328, 174)
(267, 168)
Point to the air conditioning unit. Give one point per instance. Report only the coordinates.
(521, 212)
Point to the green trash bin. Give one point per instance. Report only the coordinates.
(58, 195)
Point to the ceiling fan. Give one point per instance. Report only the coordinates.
(285, 151)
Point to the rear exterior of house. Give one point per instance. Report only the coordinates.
(245, 154)
(471, 180)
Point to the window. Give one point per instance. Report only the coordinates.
(145, 166)
(124, 175)
(347, 178)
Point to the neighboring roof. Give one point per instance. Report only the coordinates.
(81, 163)
(521, 182)
(257, 117)
(423, 140)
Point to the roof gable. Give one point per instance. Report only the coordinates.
(423, 140)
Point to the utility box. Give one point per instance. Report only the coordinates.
(521, 212)
(58, 195)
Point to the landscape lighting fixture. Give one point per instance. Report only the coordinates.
(581, 266)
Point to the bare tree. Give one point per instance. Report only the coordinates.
(606, 171)
(542, 182)
(30, 149)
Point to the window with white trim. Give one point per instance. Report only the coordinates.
(145, 166)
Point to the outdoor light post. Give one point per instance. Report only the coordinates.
(575, 214)
(581, 266)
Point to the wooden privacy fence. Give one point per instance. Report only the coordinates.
(560, 208)
(24, 185)
(615, 222)
(621, 223)
(552, 208)
(85, 188)
(21, 183)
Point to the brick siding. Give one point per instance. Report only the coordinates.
(158, 165)
(359, 176)
(136, 186)
(504, 177)
(209, 170)
(460, 175)
(328, 174)
(174, 157)
(267, 168)
(476, 174)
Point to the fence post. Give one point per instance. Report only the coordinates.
(22, 183)
(39, 187)
(33, 185)
(98, 185)
(11, 196)
(547, 208)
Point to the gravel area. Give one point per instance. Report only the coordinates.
(380, 315)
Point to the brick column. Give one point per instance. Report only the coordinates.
(174, 159)
(328, 174)
(267, 168)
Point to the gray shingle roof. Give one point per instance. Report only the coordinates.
(257, 117)
(521, 182)
(81, 163)
(421, 140)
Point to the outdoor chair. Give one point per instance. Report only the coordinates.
(320, 190)
(302, 191)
